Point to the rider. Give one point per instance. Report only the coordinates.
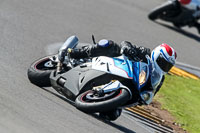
(193, 5)
(163, 57)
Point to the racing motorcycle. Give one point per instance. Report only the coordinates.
(179, 12)
(98, 84)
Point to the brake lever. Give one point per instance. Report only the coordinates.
(93, 39)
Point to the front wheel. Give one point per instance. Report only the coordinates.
(89, 102)
(40, 70)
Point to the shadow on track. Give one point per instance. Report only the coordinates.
(119, 127)
(59, 96)
(183, 32)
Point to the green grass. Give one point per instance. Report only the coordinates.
(181, 97)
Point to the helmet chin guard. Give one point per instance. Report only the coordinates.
(164, 57)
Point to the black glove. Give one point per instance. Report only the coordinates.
(132, 52)
(128, 51)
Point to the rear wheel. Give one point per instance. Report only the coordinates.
(90, 102)
(168, 9)
(40, 70)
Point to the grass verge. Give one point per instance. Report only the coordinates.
(181, 97)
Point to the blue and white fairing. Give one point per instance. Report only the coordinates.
(123, 67)
(138, 72)
(115, 66)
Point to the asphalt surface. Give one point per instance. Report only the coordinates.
(27, 27)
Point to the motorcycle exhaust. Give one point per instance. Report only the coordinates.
(71, 42)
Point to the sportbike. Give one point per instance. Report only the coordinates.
(97, 84)
(179, 12)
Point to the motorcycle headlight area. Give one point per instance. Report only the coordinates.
(142, 77)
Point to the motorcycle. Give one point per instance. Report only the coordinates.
(179, 12)
(98, 84)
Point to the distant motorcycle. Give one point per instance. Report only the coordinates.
(179, 12)
(95, 84)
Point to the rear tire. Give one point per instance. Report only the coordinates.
(40, 70)
(160, 10)
(91, 106)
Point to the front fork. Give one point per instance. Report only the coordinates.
(114, 85)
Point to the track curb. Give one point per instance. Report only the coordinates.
(159, 123)
(180, 72)
(149, 120)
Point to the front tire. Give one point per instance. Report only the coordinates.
(89, 103)
(40, 70)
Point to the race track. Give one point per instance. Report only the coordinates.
(28, 27)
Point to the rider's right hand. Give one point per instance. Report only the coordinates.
(128, 51)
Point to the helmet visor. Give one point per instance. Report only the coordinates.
(164, 64)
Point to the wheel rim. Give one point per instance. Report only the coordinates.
(90, 96)
(45, 64)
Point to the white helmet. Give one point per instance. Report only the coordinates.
(164, 57)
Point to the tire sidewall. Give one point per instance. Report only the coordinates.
(102, 106)
(39, 77)
(154, 14)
